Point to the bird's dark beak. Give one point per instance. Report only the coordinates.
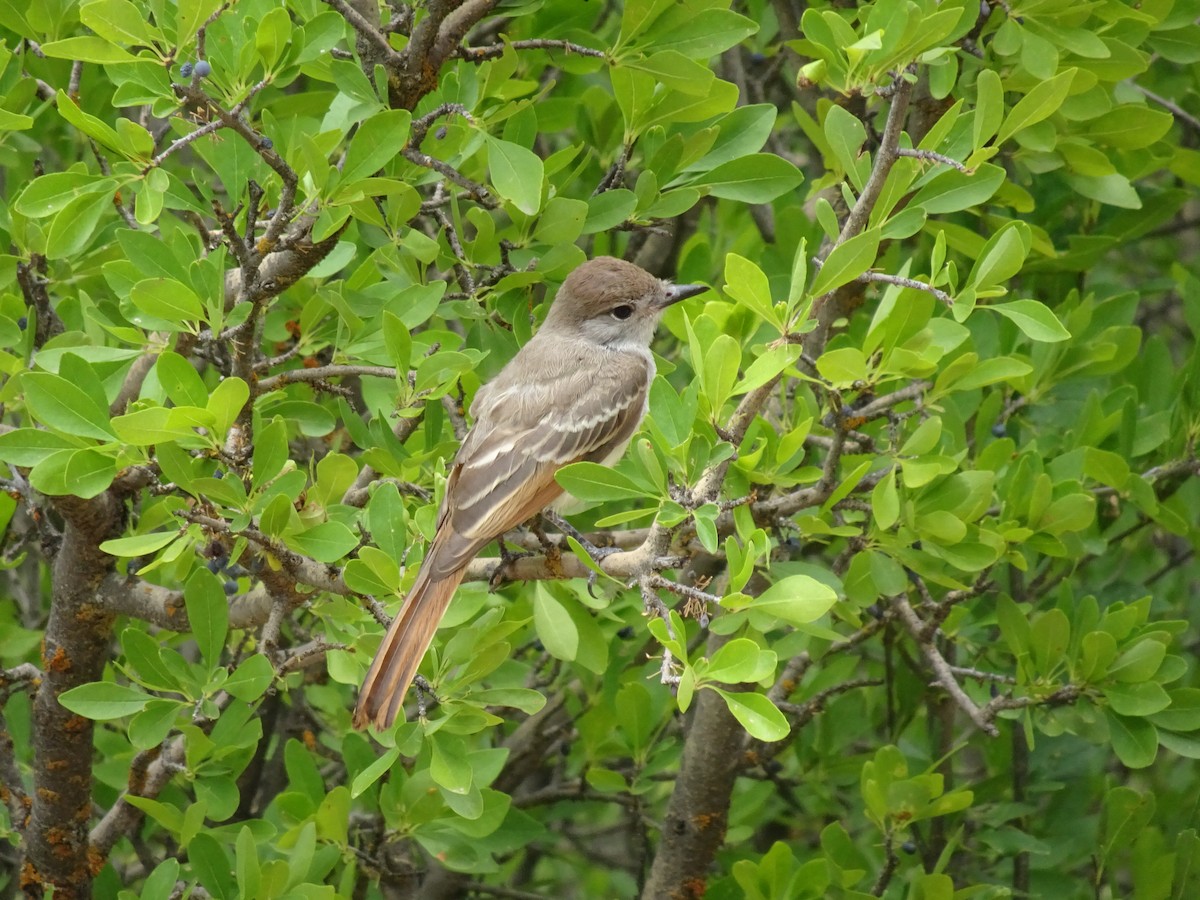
(677, 292)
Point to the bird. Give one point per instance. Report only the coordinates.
(576, 391)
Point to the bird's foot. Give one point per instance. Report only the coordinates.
(507, 557)
(426, 698)
(597, 554)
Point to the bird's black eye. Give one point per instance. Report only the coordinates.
(624, 311)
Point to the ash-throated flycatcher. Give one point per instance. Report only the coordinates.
(576, 391)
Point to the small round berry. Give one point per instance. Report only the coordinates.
(266, 143)
(909, 847)
(231, 588)
(218, 474)
(999, 430)
(440, 133)
(185, 71)
(625, 633)
(22, 323)
(203, 69)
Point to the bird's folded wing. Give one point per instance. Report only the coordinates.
(504, 473)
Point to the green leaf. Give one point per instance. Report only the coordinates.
(846, 262)
(517, 174)
(327, 542)
(153, 425)
(700, 34)
(150, 727)
(270, 452)
(50, 193)
(757, 178)
(88, 49)
(208, 614)
(272, 37)
(180, 380)
(593, 482)
(377, 140)
(885, 502)
(103, 700)
(1002, 256)
(740, 660)
(757, 714)
(609, 209)
(88, 124)
(1043, 101)
(746, 283)
(721, 362)
(226, 403)
(1135, 741)
(81, 473)
(449, 764)
(555, 627)
(989, 107)
(120, 21)
(139, 544)
(211, 864)
(845, 134)
(169, 300)
(57, 402)
(374, 771)
(953, 190)
(29, 446)
(251, 679)
(796, 599)
(1033, 318)
(1143, 699)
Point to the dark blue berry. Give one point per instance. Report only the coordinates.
(440, 133)
(266, 143)
(231, 587)
(185, 71)
(215, 565)
(218, 474)
(203, 69)
(999, 430)
(625, 633)
(908, 847)
(758, 57)
(22, 323)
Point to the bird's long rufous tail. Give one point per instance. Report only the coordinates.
(403, 646)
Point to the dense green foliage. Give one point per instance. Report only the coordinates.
(906, 602)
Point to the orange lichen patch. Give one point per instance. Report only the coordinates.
(705, 821)
(309, 739)
(58, 661)
(692, 888)
(29, 876)
(61, 841)
(311, 362)
(751, 758)
(56, 765)
(96, 860)
(77, 725)
(47, 795)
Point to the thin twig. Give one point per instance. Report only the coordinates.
(932, 156)
(494, 51)
(941, 669)
(900, 281)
